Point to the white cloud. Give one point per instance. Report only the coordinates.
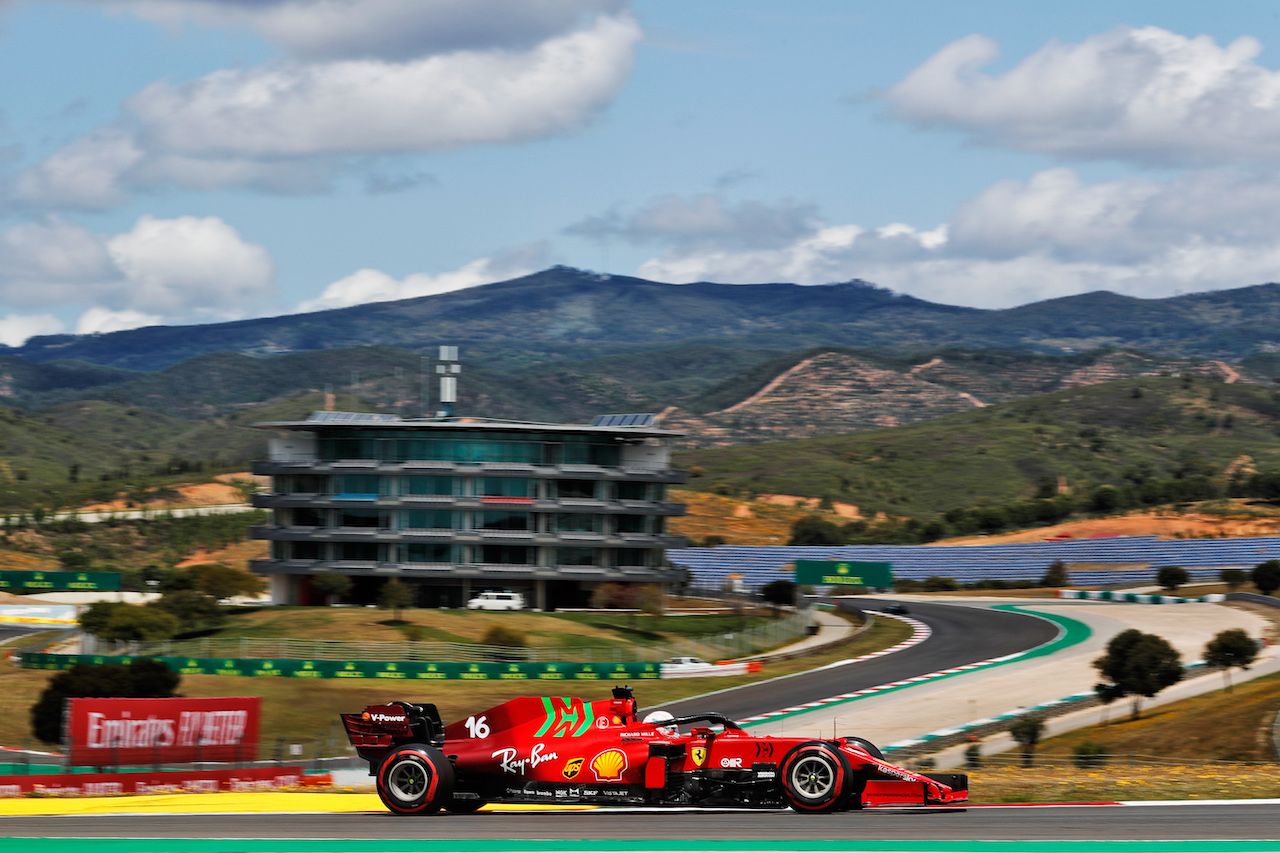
(1017, 242)
(177, 270)
(86, 175)
(389, 29)
(15, 329)
(371, 106)
(1146, 95)
(190, 265)
(101, 320)
(370, 285)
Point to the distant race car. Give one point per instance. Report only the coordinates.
(567, 750)
(899, 609)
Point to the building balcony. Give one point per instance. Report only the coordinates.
(630, 472)
(470, 571)
(596, 507)
(566, 538)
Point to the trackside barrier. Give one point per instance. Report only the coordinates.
(1135, 598)
(392, 670)
(152, 782)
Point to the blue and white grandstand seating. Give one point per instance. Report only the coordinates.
(1202, 558)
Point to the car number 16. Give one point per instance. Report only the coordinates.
(477, 727)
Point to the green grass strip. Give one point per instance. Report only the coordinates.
(367, 845)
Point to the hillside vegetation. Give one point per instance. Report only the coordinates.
(1131, 434)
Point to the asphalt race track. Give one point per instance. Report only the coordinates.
(961, 635)
(1172, 822)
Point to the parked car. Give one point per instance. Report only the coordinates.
(497, 601)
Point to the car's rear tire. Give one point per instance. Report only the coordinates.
(816, 778)
(415, 779)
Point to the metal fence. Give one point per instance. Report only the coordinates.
(731, 644)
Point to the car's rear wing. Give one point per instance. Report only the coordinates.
(379, 728)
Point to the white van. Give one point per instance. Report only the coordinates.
(497, 601)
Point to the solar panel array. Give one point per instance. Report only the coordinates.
(1202, 558)
(351, 418)
(643, 420)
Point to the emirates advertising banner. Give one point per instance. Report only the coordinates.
(172, 731)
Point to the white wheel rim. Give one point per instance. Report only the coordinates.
(407, 779)
(813, 777)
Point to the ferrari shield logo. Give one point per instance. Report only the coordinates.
(699, 755)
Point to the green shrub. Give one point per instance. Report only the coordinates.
(1088, 753)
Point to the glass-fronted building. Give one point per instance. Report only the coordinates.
(457, 506)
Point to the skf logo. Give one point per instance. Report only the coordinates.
(699, 755)
(608, 765)
(572, 766)
(731, 762)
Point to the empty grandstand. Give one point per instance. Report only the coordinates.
(1140, 557)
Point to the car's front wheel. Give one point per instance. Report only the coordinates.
(815, 778)
(415, 779)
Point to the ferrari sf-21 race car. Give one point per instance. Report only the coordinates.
(566, 750)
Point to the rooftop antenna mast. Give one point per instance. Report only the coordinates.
(448, 370)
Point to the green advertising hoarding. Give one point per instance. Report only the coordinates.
(844, 573)
(383, 670)
(59, 580)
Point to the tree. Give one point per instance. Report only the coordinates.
(94, 618)
(779, 592)
(1026, 730)
(395, 595)
(1137, 665)
(815, 530)
(221, 581)
(141, 625)
(1230, 648)
(1266, 576)
(1171, 577)
(651, 599)
(1056, 575)
(613, 596)
(331, 585)
(193, 610)
(1233, 578)
(141, 678)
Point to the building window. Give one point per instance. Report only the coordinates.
(506, 487)
(426, 519)
(364, 552)
(578, 522)
(508, 554)
(362, 518)
(364, 485)
(307, 550)
(307, 517)
(632, 557)
(429, 553)
(576, 488)
(575, 556)
(419, 485)
(629, 491)
(502, 520)
(630, 523)
(304, 484)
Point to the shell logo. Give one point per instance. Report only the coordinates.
(608, 765)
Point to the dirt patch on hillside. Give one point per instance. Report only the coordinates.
(189, 494)
(1166, 525)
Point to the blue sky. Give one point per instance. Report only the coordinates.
(187, 161)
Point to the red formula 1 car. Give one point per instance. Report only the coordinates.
(553, 750)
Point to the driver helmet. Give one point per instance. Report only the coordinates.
(657, 718)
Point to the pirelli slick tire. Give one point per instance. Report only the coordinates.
(870, 747)
(415, 779)
(816, 778)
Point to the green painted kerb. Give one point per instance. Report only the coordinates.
(1070, 632)
(365, 845)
